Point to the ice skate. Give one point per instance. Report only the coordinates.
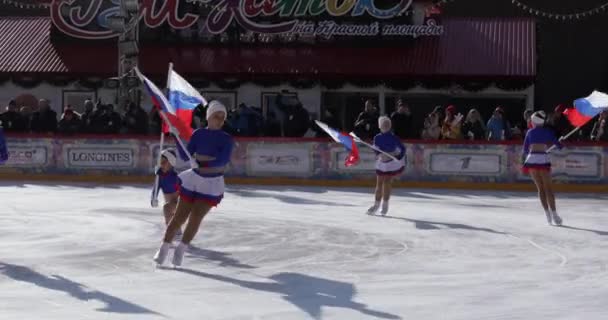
(549, 219)
(161, 254)
(384, 210)
(557, 219)
(178, 254)
(373, 209)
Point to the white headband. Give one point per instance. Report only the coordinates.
(216, 106)
(170, 155)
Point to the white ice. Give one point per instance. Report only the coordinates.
(84, 252)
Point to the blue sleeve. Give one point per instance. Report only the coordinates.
(526, 144)
(376, 145)
(191, 148)
(556, 142)
(401, 147)
(3, 149)
(223, 157)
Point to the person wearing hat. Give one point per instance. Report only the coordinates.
(202, 187)
(498, 127)
(538, 165)
(386, 167)
(168, 183)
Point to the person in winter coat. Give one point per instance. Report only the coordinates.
(473, 127)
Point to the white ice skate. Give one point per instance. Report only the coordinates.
(178, 254)
(373, 209)
(384, 210)
(161, 254)
(557, 219)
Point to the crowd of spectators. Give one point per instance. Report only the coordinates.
(290, 119)
(451, 124)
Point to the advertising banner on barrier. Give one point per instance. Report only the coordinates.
(95, 156)
(28, 154)
(308, 159)
(279, 159)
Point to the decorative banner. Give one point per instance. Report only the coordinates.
(279, 160)
(90, 19)
(97, 156)
(27, 155)
(304, 159)
(463, 163)
(577, 165)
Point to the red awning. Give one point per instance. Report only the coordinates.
(470, 47)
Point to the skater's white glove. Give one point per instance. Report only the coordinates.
(154, 203)
(156, 168)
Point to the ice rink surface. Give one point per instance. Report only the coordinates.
(282, 253)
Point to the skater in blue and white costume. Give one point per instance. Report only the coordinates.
(386, 167)
(201, 188)
(168, 183)
(538, 165)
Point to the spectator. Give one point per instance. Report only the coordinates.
(498, 127)
(247, 122)
(473, 127)
(452, 125)
(272, 126)
(402, 121)
(559, 122)
(432, 130)
(26, 114)
(600, 128)
(70, 123)
(136, 120)
(329, 119)
(297, 121)
(44, 120)
(114, 120)
(88, 117)
(12, 120)
(366, 126)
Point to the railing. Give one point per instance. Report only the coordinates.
(302, 158)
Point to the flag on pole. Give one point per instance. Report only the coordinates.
(183, 96)
(167, 110)
(587, 108)
(3, 149)
(346, 140)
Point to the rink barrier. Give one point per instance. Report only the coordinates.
(304, 162)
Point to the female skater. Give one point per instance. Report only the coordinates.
(538, 165)
(386, 167)
(201, 188)
(168, 183)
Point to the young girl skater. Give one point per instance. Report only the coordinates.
(538, 165)
(386, 167)
(168, 183)
(201, 188)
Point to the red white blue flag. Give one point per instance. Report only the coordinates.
(167, 110)
(346, 140)
(587, 108)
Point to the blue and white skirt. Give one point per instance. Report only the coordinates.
(195, 187)
(390, 168)
(537, 161)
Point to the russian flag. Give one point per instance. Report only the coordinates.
(3, 149)
(183, 96)
(168, 112)
(587, 108)
(346, 140)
